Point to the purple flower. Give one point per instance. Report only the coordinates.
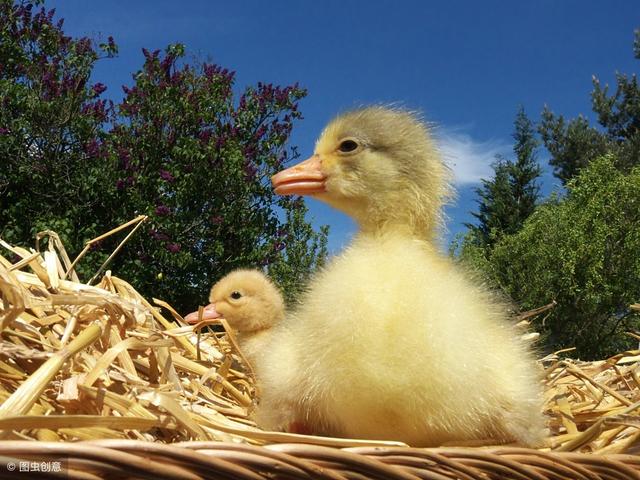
(92, 148)
(205, 135)
(166, 64)
(162, 210)
(98, 88)
(174, 247)
(129, 108)
(124, 183)
(217, 220)
(50, 84)
(157, 235)
(83, 46)
(97, 109)
(210, 70)
(260, 132)
(221, 142)
(150, 55)
(175, 78)
(250, 170)
(68, 82)
(165, 175)
(3, 131)
(123, 154)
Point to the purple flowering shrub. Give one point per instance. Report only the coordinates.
(52, 118)
(178, 147)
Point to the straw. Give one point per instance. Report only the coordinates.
(83, 362)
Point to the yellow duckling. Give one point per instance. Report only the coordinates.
(250, 303)
(392, 341)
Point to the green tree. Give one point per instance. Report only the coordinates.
(51, 127)
(178, 148)
(573, 144)
(580, 251)
(507, 200)
(199, 165)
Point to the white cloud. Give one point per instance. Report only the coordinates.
(469, 159)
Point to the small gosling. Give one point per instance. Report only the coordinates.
(250, 303)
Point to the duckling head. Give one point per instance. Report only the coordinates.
(247, 299)
(380, 166)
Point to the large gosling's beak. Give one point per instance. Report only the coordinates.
(209, 313)
(305, 178)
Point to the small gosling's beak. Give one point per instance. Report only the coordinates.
(305, 178)
(209, 313)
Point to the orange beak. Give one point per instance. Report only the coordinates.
(209, 313)
(305, 178)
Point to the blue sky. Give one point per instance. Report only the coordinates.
(467, 65)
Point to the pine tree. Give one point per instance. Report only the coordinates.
(507, 200)
(524, 171)
(574, 144)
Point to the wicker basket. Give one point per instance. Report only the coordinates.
(214, 460)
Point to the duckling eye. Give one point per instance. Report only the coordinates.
(348, 146)
(236, 295)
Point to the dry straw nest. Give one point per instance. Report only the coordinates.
(98, 382)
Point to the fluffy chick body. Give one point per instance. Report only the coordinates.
(407, 349)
